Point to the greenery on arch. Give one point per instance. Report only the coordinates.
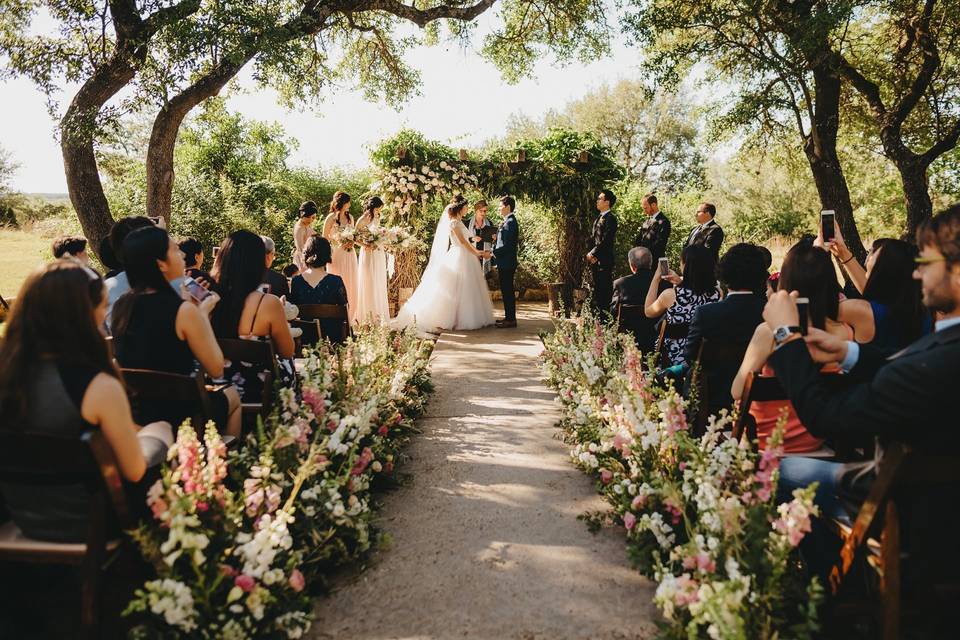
(561, 172)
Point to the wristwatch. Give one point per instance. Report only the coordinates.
(782, 334)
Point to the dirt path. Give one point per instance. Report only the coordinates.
(486, 543)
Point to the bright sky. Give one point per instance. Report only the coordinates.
(462, 101)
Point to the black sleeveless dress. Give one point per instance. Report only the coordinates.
(151, 342)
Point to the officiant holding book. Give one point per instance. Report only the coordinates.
(482, 232)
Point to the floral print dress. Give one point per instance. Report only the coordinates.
(681, 312)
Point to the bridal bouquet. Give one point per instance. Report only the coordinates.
(346, 237)
(397, 239)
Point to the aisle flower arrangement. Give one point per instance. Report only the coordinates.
(699, 514)
(238, 539)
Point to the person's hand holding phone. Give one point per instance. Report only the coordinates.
(672, 277)
(207, 304)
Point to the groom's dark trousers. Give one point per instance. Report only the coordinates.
(508, 293)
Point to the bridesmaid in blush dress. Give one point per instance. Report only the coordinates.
(344, 263)
(302, 230)
(371, 302)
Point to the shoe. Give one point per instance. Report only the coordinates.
(506, 324)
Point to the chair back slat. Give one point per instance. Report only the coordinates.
(326, 312)
(162, 386)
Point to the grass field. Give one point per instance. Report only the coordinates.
(20, 253)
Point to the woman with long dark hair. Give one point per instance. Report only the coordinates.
(695, 288)
(371, 302)
(154, 328)
(891, 314)
(344, 263)
(808, 270)
(57, 378)
(247, 312)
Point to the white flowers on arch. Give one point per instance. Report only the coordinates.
(406, 188)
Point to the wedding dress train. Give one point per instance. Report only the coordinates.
(453, 293)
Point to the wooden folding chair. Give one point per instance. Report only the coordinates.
(27, 459)
(756, 388)
(145, 385)
(709, 354)
(259, 354)
(318, 312)
(902, 474)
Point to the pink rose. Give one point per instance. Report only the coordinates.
(639, 502)
(629, 521)
(296, 580)
(245, 582)
(606, 476)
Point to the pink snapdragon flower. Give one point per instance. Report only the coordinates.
(296, 581)
(629, 521)
(606, 476)
(245, 582)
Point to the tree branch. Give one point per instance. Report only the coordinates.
(422, 17)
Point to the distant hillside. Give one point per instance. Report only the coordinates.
(50, 197)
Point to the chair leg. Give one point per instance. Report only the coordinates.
(890, 580)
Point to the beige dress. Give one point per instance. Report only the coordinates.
(372, 304)
(344, 264)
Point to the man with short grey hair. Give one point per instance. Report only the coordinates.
(277, 281)
(632, 290)
(639, 258)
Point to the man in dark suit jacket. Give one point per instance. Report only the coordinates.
(632, 290)
(277, 281)
(505, 255)
(600, 255)
(909, 396)
(707, 232)
(655, 232)
(731, 321)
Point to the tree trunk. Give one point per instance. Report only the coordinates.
(166, 127)
(77, 129)
(820, 148)
(916, 193)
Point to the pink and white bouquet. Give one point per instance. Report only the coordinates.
(346, 237)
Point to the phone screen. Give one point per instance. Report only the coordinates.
(802, 305)
(664, 266)
(196, 290)
(827, 222)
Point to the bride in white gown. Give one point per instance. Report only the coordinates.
(452, 293)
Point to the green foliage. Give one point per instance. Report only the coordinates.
(231, 173)
(653, 134)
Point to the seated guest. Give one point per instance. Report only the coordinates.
(731, 320)
(118, 285)
(71, 247)
(153, 328)
(891, 314)
(109, 259)
(277, 281)
(773, 282)
(247, 312)
(316, 286)
(695, 288)
(632, 290)
(909, 396)
(193, 259)
(291, 271)
(809, 270)
(56, 378)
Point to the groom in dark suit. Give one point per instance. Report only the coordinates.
(505, 256)
(600, 255)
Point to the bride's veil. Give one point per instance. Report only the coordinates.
(441, 242)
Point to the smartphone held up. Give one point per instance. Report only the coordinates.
(664, 267)
(828, 229)
(803, 305)
(196, 290)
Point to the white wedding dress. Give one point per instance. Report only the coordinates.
(452, 293)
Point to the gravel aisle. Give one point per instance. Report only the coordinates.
(486, 543)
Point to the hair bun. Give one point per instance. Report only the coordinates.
(308, 208)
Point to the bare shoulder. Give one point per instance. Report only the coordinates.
(104, 388)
